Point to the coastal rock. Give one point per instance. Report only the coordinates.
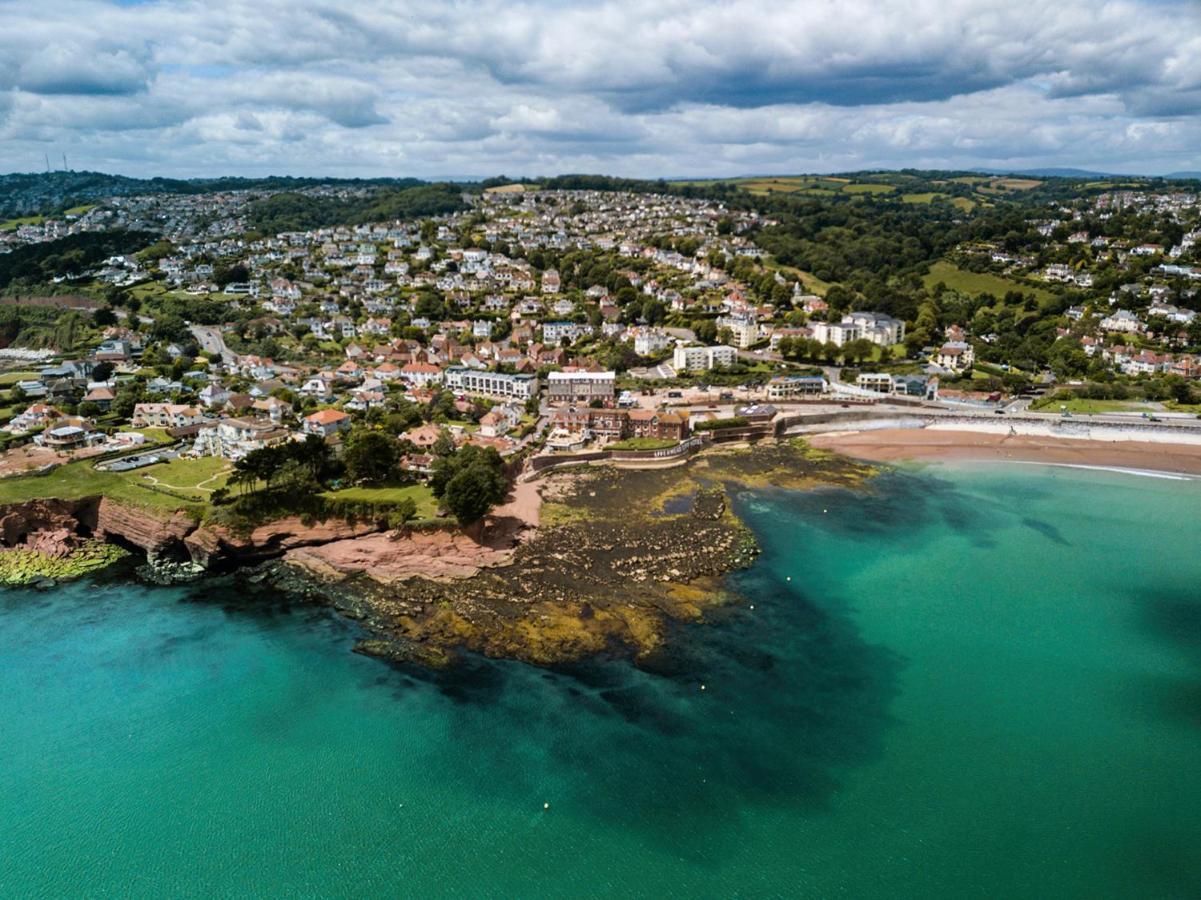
(18, 521)
(213, 545)
(55, 543)
(154, 533)
(386, 558)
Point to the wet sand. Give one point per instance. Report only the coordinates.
(893, 444)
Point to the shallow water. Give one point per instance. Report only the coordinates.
(978, 682)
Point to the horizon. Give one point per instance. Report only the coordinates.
(665, 90)
(1065, 172)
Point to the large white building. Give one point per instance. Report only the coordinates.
(702, 359)
(491, 384)
(580, 387)
(790, 387)
(233, 438)
(554, 332)
(875, 327)
(878, 327)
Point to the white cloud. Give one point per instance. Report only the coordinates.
(641, 88)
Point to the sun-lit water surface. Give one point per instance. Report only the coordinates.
(979, 682)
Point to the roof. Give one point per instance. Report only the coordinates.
(326, 416)
(582, 376)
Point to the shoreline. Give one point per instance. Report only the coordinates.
(950, 445)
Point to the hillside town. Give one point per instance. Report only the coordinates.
(539, 322)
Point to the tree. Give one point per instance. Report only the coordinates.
(471, 493)
(705, 330)
(402, 513)
(469, 482)
(370, 456)
(237, 272)
(127, 397)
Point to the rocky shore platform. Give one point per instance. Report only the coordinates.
(579, 562)
(617, 558)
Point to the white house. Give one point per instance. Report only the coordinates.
(702, 359)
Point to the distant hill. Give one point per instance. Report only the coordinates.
(290, 211)
(1087, 173)
(42, 193)
(1052, 173)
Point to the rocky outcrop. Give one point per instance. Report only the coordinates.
(157, 534)
(389, 558)
(214, 546)
(20, 522)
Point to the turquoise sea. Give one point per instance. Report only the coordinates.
(979, 682)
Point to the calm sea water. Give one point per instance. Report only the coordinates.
(978, 683)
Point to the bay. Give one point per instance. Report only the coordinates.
(967, 681)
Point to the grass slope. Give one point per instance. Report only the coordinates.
(976, 283)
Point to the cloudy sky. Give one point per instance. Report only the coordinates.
(630, 87)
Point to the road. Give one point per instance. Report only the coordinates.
(211, 341)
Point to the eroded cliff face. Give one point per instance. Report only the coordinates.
(158, 535)
(22, 523)
(163, 536)
(213, 546)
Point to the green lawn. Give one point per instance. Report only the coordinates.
(152, 435)
(205, 473)
(1079, 406)
(976, 283)
(427, 506)
(79, 210)
(79, 479)
(642, 444)
(11, 378)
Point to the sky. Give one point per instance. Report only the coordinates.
(642, 88)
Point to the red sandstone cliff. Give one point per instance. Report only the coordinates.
(164, 534)
(211, 545)
(19, 521)
(156, 533)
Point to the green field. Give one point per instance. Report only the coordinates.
(427, 506)
(80, 210)
(868, 188)
(884, 186)
(963, 203)
(11, 224)
(192, 479)
(976, 283)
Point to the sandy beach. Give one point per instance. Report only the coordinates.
(889, 445)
